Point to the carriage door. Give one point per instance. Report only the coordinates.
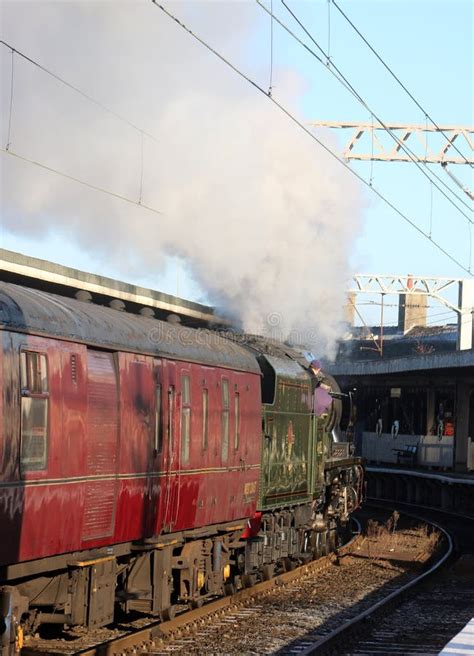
(170, 448)
(100, 446)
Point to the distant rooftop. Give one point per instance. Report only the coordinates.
(365, 342)
(66, 281)
(411, 363)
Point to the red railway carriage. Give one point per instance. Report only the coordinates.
(141, 468)
(117, 432)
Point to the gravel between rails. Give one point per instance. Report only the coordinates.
(277, 622)
(424, 624)
(277, 619)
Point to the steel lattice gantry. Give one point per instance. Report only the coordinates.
(417, 135)
(436, 288)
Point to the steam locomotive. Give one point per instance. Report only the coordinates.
(145, 465)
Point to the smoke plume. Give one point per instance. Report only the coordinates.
(263, 217)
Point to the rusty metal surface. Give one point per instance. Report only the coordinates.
(39, 313)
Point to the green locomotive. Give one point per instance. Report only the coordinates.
(310, 482)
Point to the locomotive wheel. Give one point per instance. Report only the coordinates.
(197, 603)
(268, 572)
(168, 614)
(248, 580)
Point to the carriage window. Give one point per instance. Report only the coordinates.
(34, 375)
(185, 418)
(205, 418)
(236, 420)
(34, 411)
(225, 419)
(158, 420)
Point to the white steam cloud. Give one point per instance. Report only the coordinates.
(263, 216)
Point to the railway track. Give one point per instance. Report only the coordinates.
(422, 616)
(265, 618)
(178, 630)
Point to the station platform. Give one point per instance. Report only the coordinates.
(462, 644)
(450, 478)
(424, 452)
(451, 492)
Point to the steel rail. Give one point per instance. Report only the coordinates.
(328, 641)
(157, 629)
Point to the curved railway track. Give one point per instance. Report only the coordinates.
(265, 618)
(240, 604)
(420, 617)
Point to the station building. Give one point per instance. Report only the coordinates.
(424, 402)
(412, 386)
(412, 410)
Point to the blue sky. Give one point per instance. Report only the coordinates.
(429, 44)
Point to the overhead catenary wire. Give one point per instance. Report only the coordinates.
(457, 182)
(329, 32)
(337, 73)
(387, 67)
(270, 85)
(10, 110)
(440, 311)
(433, 320)
(442, 315)
(460, 321)
(371, 179)
(141, 171)
(435, 323)
(431, 211)
(470, 244)
(410, 305)
(142, 132)
(78, 90)
(427, 136)
(371, 334)
(305, 129)
(102, 190)
(253, 83)
(333, 69)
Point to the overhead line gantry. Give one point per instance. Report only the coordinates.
(404, 132)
